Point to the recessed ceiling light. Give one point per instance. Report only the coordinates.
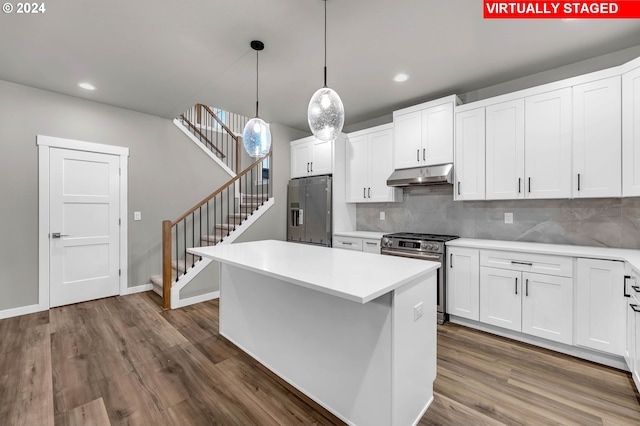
(87, 86)
(568, 19)
(401, 77)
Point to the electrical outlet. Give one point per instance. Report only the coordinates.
(418, 310)
(382, 216)
(137, 215)
(508, 218)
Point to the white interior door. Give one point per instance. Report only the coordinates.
(85, 212)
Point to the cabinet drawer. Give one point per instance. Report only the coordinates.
(371, 245)
(348, 243)
(539, 263)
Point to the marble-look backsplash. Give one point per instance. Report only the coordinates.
(610, 222)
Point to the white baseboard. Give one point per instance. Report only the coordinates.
(22, 310)
(137, 289)
(180, 303)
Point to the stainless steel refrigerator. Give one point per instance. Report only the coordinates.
(309, 210)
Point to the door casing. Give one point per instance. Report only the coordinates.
(45, 143)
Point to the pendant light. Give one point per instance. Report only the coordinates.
(326, 112)
(256, 136)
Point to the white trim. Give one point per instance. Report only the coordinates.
(53, 142)
(44, 144)
(181, 303)
(23, 310)
(176, 302)
(206, 150)
(137, 289)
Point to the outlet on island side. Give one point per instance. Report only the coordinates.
(418, 310)
(508, 218)
(382, 216)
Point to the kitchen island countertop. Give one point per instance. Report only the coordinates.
(352, 275)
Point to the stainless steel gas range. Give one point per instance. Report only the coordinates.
(425, 247)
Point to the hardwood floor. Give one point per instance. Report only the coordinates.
(123, 361)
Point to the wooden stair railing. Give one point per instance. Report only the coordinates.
(205, 125)
(207, 220)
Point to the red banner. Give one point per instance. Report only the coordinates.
(621, 9)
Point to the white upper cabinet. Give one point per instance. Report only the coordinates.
(369, 157)
(631, 133)
(311, 157)
(547, 148)
(469, 155)
(505, 150)
(424, 133)
(597, 141)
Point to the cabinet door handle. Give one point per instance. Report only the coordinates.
(529, 184)
(364, 192)
(624, 288)
(515, 262)
(635, 308)
(424, 154)
(346, 243)
(519, 181)
(516, 285)
(369, 192)
(526, 287)
(578, 181)
(450, 260)
(308, 168)
(369, 243)
(312, 166)
(418, 155)
(458, 187)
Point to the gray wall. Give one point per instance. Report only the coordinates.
(159, 186)
(612, 222)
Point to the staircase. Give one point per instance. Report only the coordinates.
(218, 219)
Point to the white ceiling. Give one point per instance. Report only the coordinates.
(160, 56)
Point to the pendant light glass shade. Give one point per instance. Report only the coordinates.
(326, 111)
(326, 114)
(256, 136)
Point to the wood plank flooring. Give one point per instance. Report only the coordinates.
(123, 361)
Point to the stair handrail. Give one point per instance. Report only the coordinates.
(205, 124)
(168, 225)
(202, 135)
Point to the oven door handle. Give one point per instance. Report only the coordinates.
(431, 257)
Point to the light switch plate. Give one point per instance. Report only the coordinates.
(137, 215)
(382, 216)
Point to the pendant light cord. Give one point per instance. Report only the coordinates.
(325, 43)
(257, 82)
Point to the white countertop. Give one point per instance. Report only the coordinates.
(352, 275)
(628, 255)
(361, 234)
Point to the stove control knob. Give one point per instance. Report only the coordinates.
(386, 242)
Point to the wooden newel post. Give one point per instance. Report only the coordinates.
(166, 265)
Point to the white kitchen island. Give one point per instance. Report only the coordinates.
(343, 327)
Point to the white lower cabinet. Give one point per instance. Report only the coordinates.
(600, 305)
(516, 296)
(463, 291)
(368, 245)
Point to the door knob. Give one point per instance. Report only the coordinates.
(58, 235)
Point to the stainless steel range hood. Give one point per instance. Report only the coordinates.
(427, 175)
